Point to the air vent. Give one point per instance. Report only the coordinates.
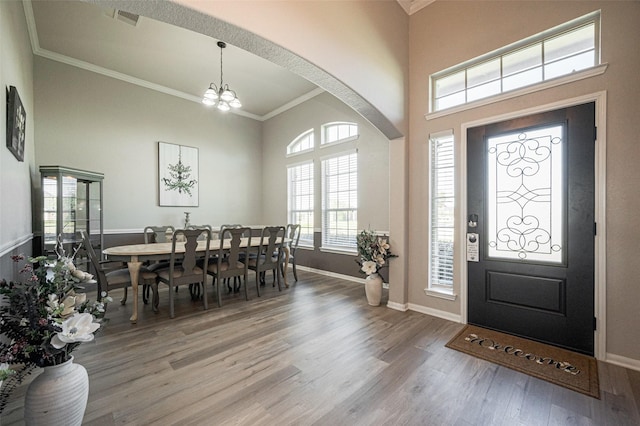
(128, 17)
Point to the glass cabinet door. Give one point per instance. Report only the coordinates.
(72, 202)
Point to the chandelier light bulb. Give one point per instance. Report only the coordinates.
(211, 92)
(222, 98)
(227, 95)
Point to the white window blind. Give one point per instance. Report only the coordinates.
(303, 143)
(301, 195)
(340, 201)
(441, 210)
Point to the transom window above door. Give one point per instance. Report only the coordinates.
(559, 51)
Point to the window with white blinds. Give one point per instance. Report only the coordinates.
(303, 143)
(442, 203)
(301, 195)
(340, 201)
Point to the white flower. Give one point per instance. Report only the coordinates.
(71, 302)
(384, 246)
(77, 328)
(380, 260)
(369, 267)
(52, 303)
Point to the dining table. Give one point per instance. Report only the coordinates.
(136, 254)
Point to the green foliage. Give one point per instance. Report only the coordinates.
(32, 313)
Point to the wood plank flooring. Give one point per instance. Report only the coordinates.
(315, 354)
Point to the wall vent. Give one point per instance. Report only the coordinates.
(128, 17)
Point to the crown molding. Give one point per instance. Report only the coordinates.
(38, 51)
(412, 6)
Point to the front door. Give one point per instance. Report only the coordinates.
(531, 226)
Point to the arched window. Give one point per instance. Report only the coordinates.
(339, 132)
(303, 143)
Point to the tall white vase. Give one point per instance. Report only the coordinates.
(373, 289)
(58, 396)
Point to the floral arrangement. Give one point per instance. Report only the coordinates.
(373, 251)
(43, 319)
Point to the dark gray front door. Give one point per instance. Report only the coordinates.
(531, 204)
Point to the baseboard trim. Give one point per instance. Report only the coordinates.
(435, 312)
(402, 307)
(622, 361)
(391, 305)
(331, 274)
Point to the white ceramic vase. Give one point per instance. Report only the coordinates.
(373, 289)
(58, 396)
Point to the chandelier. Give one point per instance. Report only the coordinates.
(221, 96)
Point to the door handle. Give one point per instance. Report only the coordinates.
(473, 221)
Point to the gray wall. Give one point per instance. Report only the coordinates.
(432, 46)
(16, 63)
(92, 122)
(491, 25)
(373, 172)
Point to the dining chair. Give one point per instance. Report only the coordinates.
(268, 256)
(183, 266)
(293, 234)
(154, 234)
(110, 274)
(158, 234)
(203, 227)
(247, 232)
(228, 262)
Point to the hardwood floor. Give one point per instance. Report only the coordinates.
(315, 354)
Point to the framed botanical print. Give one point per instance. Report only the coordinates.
(16, 123)
(177, 175)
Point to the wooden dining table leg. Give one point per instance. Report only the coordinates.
(134, 272)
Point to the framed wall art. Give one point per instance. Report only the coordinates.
(16, 123)
(177, 175)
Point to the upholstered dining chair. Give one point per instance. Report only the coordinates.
(183, 267)
(227, 261)
(293, 234)
(111, 275)
(268, 256)
(154, 234)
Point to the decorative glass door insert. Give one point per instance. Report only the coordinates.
(526, 196)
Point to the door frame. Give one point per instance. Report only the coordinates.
(600, 261)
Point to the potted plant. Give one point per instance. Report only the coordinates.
(373, 253)
(42, 320)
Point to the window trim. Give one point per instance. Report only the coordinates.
(593, 17)
(303, 242)
(558, 81)
(323, 141)
(437, 289)
(297, 139)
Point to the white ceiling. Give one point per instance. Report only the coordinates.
(160, 56)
